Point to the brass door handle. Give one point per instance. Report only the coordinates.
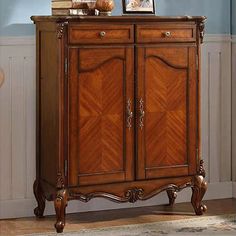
(141, 113)
(129, 114)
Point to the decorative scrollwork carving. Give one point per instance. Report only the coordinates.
(60, 181)
(129, 114)
(133, 195)
(201, 30)
(60, 30)
(201, 170)
(141, 113)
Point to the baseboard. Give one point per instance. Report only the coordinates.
(24, 207)
(233, 38)
(234, 189)
(219, 191)
(16, 208)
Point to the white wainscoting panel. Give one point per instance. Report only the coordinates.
(17, 121)
(234, 109)
(17, 128)
(216, 108)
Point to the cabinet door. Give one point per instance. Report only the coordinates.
(166, 111)
(101, 115)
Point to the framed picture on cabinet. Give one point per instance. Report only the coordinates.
(138, 7)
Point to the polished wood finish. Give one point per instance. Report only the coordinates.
(40, 198)
(124, 19)
(165, 33)
(100, 34)
(172, 195)
(166, 88)
(117, 109)
(60, 203)
(101, 147)
(199, 188)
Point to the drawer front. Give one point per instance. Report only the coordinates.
(165, 33)
(102, 33)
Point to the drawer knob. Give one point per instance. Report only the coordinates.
(102, 34)
(167, 34)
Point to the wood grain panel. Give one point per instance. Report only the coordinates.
(98, 114)
(157, 33)
(49, 107)
(193, 112)
(165, 89)
(100, 123)
(165, 114)
(91, 34)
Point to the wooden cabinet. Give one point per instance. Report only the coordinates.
(117, 109)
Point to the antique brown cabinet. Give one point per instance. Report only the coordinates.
(117, 109)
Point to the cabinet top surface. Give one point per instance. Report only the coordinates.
(107, 19)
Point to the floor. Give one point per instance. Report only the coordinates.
(110, 218)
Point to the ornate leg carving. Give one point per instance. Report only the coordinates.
(38, 193)
(199, 188)
(172, 194)
(60, 203)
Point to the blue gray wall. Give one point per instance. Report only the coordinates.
(234, 17)
(15, 14)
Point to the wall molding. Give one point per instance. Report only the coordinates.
(11, 41)
(216, 107)
(217, 38)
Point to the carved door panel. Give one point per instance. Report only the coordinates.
(166, 111)
(101, 110)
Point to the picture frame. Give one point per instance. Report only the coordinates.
(138, 6)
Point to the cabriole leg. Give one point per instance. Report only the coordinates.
(60, 203)
(38, 193)
(199, 188)
(172, 194)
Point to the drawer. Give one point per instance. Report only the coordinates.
(165, 33)
(101, 33)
